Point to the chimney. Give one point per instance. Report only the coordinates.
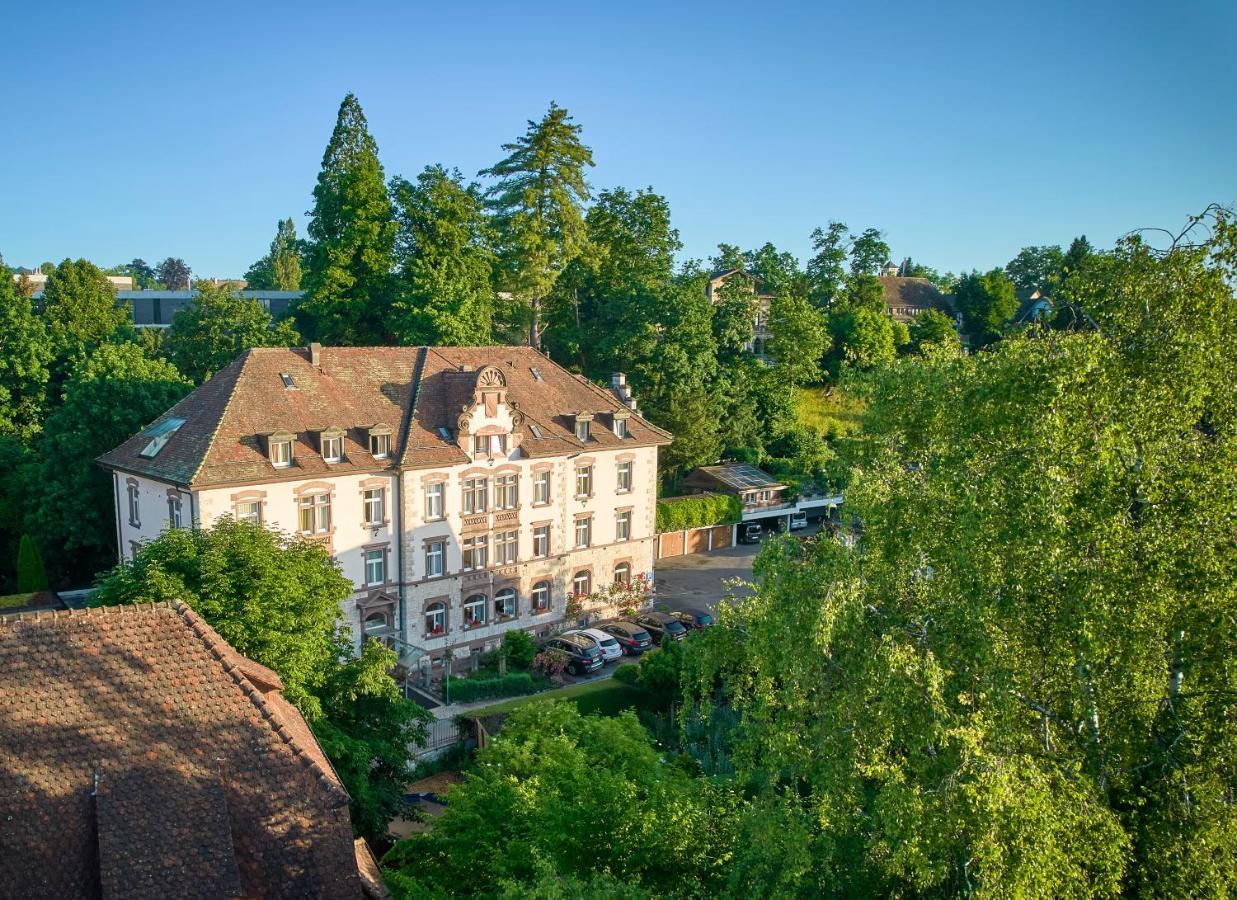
(315, 354)
(620, 389)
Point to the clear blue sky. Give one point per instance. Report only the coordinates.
(963, 130)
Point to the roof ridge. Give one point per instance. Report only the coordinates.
(84, 612)
(214, 643)
(223, 414)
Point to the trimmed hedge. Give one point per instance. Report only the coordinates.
(697, 511)
(513, 684)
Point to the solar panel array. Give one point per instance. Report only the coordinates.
(742, 476)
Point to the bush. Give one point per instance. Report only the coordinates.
(627, 673)
(514, 684)
(697, 511)
(521, 648)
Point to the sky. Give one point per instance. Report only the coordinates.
(963, 131)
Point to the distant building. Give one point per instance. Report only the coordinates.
(38, 281)
(908, 298)
(143, 756)
(155, 309)
(1033, 306)
(760, 321)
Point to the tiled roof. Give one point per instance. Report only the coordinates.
(913, 294)
(142, 756)
(414, 390)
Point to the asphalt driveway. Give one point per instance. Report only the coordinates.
(698, 579)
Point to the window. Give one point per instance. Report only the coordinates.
(281, 454)
(505, 544)
(584, 481)
(376, 625)
(624, 477)
(436, 619)
(480, 444)
(159, 436)
(584, 531)
(174, 511)
(434, 553)
(506, 492)
(582, 429)
(475, 551)
(541, 487)
(622, 574)
(316, 514)
(474, 611)
(582, 584)
(536, 430)
(380, 446)
(541, 540)
(498, 445)
(622, 525)
(286, 378)
(333, 448)
(134, 509)
(540, 596)
(249, 511)
(375, 566)
(434, 494)
(620, 428)
(475, 493)
(375, 506)
(504, 604)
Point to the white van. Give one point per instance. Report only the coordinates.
(798, 520)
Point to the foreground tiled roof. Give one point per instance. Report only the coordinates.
(142, 756)
(414, 390)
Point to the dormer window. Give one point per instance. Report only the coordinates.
(380, 442)
(280, 449)
(619, 420)
(582, 426)
(333, 445)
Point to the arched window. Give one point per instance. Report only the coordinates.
(474, 611)
(622, 574)
(504, 604)
(436, 619)
(541, 596)
(582, 584)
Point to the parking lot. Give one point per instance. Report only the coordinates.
(698, 579)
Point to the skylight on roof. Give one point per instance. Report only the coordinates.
(536, 374)
(443, 433)
(287, 379)
(535, 429)
(159, 435)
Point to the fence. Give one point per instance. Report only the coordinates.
(441, 734)
(694, 540)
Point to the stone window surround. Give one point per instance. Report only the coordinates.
(575, 524)
(388, 581)
(175, 510)
(427, 480)
(445, 540)
(485, 607)
(536, 470)
(281, 437)
(543, 523)
(135, 511)
(370, 484)
(488, 431)
(532, 584)
(631, 569)
(625, 458)
(631, 520)
(584, 462)
(575, 571)
(445, 600)
(249, 496)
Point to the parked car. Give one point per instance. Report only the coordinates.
(610, 648)
(798, 521)
(584, 654)
(749, 533)
(660, 624)
(693, 618)
(633, 639)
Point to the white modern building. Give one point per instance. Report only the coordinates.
(464, 491)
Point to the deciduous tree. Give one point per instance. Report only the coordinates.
(1036, 268)
(933, 328)
(25, 354)
(986, 302)
(80, 311)
(217, 326)
(798, 337)
(173, 273)
(280, 269)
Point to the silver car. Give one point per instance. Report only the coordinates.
(610, 648)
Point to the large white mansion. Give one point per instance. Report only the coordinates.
(464, 491)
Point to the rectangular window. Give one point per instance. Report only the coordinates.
(281, 454)
(375, 567)
(620, 428)
(316, 514)
(506, 492)
(480, 444)
(434, 553)
(584, 481)
(380, 446)
(505, 547)
(476, 491)
(541, 487)
(498, 445)
(622, 526)
(541, 541)
(581, 430)
(475, 551)
(249, 511)
(375, 506)
(134, 509)
(584, 531)
(333, 449)
(174, 511)
(624, 477)
(434, 494)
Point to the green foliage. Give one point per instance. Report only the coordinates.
(1021, 686)
(25, 354)
(584, 799)
(444, 293)
(173, 274)
(697, 511)
(351, 254)
(986, 302)
(111, 396)
(798, 338)
(216, 327)
(538, 206)
(933, 328)
(142, 274)
(80, 312)
(660, 671)
(520, 648)
(627, 673)
(862, 338)
(280, 269)
(1036, 268)
(868, 253)
(734, 309)
(31, 576)
(15, 457)
(513, 684)
(826, 270)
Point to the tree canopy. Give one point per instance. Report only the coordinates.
(280, 269)
(986, 301)
(25, 354)
(216, 327)
(173, 273)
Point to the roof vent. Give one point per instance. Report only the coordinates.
(535, 429)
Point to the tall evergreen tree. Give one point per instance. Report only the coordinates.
(25, 353)
(280, 269)
(31, 576)
(444, 292)
(350, 258)
(538, 204)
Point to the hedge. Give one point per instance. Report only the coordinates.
(697, 511)
(513, 684)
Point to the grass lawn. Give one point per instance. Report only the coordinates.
(607, 698)
(821, 412)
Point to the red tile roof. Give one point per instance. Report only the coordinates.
(413, 390)
(142, 756)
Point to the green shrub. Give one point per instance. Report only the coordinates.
(521, 648)
(513, 684)
(627, 673)
(697, 511)
(31, 576)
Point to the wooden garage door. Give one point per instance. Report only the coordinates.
(698, 540)
(721, 536)
(671, 544)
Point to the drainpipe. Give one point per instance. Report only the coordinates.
(120, 552)
(397, 513)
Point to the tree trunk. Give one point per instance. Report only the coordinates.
(534, 328)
